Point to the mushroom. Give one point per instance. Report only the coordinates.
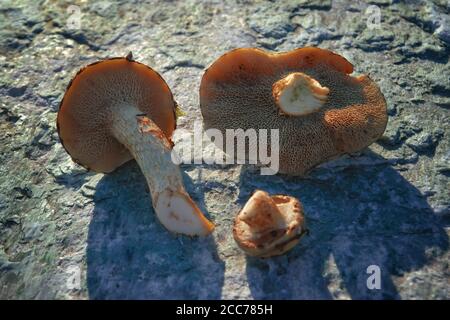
(269, 225)
(308, 94)
(119, 109)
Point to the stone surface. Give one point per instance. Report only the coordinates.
(68, 233)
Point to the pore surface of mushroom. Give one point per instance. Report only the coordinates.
(116, 110)
(269, 225)
(308, 94)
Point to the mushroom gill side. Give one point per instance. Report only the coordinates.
(118, 109)
(320, 110)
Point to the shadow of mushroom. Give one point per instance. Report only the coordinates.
(73, 180)
(358, 216)
(131, 256)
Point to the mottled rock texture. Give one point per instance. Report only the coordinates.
(68, 233)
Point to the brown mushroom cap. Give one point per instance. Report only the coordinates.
(237, 91)
(269, 225)
(84, 116)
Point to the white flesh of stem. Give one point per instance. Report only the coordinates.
(151, 149)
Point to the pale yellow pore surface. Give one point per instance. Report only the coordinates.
(151, 149)
(298, 94)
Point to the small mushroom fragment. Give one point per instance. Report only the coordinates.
(269, 225)
(308, 94)
(119, 109)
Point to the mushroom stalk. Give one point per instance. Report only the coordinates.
(152, 151)
(298, 94)
(261, 213)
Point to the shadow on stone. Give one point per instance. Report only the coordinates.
(73, 180)
(131, 256)
(359, 215)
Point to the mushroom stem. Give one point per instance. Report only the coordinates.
(298, 94)
(152, 151)
(261, 213)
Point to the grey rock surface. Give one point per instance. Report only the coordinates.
(69, 233)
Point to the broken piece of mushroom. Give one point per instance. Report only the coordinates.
(119, 109)
(269, 225)
(308, 94)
